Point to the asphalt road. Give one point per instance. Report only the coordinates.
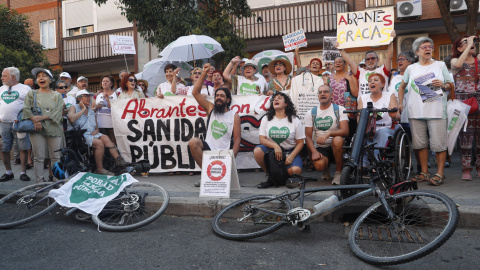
(58, 242)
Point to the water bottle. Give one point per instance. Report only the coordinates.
(326, 203)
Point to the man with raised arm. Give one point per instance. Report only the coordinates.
(371, 60)
(222, 122)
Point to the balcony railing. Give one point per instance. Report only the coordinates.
(312, 16)
(378, 3)
(91, 46)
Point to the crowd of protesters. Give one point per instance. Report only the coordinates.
(419, 89)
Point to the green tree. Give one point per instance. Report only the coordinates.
(17, 47)
(161, 22)
(471, 18)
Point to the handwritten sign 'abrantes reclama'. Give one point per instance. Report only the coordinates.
(365, 28)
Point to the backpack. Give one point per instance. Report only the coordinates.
(276, 169)
(335, 110)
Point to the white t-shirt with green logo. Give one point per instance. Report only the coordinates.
(11, 104)
(326, 120)
(363, 75)
(282, 131)
(245, 86)
(220, 129)
(393, 89)
(166, 88)
(384, 121)
(69, 101)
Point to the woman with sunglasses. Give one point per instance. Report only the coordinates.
(188, 90)
(466, 72)
(61, 87)
(282, 81)
(427, 81)
(129, 88)
(143, 84)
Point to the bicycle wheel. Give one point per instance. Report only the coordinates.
(25, 205)
(403, 157)
(424, 221)
(349, 176)
(251, 217)
(136, 206)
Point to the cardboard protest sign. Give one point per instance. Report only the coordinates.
(366, 28)
(294, 40)
(122, 44)
(159, 129)
(219, 174)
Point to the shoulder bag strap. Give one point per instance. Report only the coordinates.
(476, 74)
(35, 110)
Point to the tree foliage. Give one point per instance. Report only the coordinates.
(471, 16)
(17, 47)
(161, 22)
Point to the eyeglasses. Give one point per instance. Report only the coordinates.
(197, 73)
(278, 64)
(370, 59)
(426, 47)
(323, 92)
(141, 84)
(62, 87)
(401, 59)
(132, 80)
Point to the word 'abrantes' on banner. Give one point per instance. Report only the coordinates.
(365, 28)
(122, 44)
(219, 174)
(294, 40)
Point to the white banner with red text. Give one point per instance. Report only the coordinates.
(159, 129)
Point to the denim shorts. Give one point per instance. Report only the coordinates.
(297, 161)
(8, 135)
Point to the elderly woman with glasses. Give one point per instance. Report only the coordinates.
(427, 80)
(467, 85)
(129, 88)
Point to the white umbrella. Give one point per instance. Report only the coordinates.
(189, 48)
(154, 74)
(268, 53)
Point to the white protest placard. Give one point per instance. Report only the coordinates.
(330, 52)
(219, 174)
(294, 40)
(122, 44)
(366, 28)
(305, 102)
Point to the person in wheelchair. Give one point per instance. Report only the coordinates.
(82, 117)
(380, 99)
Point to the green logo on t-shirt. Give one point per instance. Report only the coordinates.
(218, 129)
(248, 89)
(169, 94)
(368, 75)
(95, 186)
(9, 98)
(279, 135)
(323, 123)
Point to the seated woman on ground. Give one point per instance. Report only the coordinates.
(82, 117)
(380, 100)
(281, 117)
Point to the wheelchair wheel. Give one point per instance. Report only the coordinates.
(403, 156)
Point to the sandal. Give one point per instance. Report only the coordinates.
(436, 182)
(421, 177)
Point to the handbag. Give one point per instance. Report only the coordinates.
(472, 102)
(350, 101)
(27, 125)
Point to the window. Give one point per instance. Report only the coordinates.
(80, 30)
(378, 3)
(47, 34)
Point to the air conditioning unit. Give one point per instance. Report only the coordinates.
(409, 9)
(457, 6)
(404, 43)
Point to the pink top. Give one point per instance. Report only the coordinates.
(338, 90)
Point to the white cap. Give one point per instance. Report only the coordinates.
(35, 71)
(83, 92)
(362, 62)
(81, 78)
(65, 74)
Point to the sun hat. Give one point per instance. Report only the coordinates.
(83, 92)
(35, 71)
(249, 62)
(288, 65)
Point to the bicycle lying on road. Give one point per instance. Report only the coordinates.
(402, 224)
(135, 206)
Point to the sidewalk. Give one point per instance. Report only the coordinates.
(184, 197)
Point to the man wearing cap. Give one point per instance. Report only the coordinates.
(248, 84)
(65, 76)
(12, 96)
(371, 60)
(266, 73)
(82, 83)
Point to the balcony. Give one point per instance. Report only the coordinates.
(312, 16)
(94, 46)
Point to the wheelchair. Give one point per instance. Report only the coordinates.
(395, 156)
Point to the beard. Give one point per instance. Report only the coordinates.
(220, 108)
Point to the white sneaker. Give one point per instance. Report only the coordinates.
(336, 178)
